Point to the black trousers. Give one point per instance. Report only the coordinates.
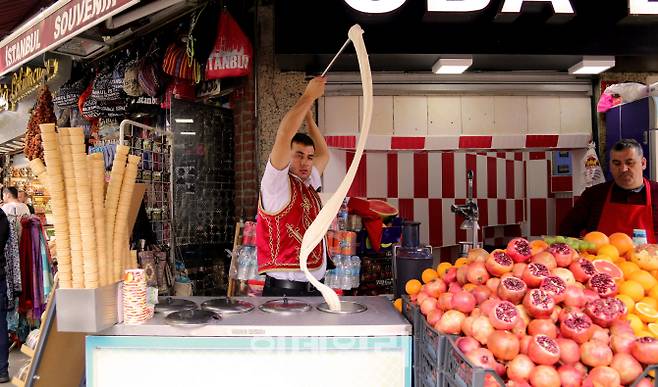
(274, 291)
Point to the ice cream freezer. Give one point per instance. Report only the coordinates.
(204, 341)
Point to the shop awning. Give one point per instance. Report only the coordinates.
(54, 26)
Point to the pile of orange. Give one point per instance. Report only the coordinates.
(638, 288)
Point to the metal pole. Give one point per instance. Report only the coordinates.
(335, 57)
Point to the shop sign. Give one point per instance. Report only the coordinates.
(24, 82)
(636, 7)
(54, 26)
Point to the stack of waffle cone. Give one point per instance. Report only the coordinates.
(91, 227)
(55, 181)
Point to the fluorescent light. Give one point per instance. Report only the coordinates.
(188, 133)
(593, 65)
(184, 120)
(370, 6)
(452, 65)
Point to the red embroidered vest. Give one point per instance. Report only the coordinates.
(279, 235)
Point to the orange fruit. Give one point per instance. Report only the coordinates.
(628, 301)
(622, 242)
(651, 301)
(443, 268)
(609, 250)
(646, 312)
(644, 278)
(654, 273)
(653, 328)
(632, 289)
(413, 286)
(597, 238)
(644, 333)
(628, 268)
(537, 246)
(605, 266)
(461, 262)
(429, 275)
(398, 305)
(653, 293)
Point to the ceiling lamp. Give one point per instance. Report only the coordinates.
(452, 65)
(593, 65)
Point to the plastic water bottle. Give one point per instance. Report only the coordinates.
(356, 271)
(346, 281)
(639, 237)
(342, 215)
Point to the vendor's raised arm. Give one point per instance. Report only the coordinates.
(321, 156)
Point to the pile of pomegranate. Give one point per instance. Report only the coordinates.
(544, 320)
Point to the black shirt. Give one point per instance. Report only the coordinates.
(4, 237)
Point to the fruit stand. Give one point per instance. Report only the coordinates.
(551, 312)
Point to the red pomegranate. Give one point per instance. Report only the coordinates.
(512, 289)
(577, 326)
(563, 253)
(482, 357)
(545, 376)
(504, 315)
(542, 326)
(569, 351)
(520, 367)
(538, 303)
(570, 376)
(504, 345)
(477, 274)
(602, 376)
(463, 301)
(606, 310)
(574, 296)
(595, 353)
(519, 249)
(534, 273)
(499, 263)
(543, 350)
(603, 284)
(582, 270)
(628, 368)
(554, 286)
(645, 350)
(545, 258)
(622, 343)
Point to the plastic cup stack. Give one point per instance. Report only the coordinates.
(136, 309)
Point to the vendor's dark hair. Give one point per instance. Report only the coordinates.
(302, 138)
(628, 143)
(12, 191)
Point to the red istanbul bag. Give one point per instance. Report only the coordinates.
(232, 54)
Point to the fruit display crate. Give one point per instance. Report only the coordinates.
(457, 371)
(431, 342)
(428, 372)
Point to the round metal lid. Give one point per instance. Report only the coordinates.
(346, 307)
(285, 306)
(168, 305)
(227, 306)
(191, 318)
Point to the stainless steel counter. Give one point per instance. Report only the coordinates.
(381, 319)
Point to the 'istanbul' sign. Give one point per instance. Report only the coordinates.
(53, 27)
(636, 7)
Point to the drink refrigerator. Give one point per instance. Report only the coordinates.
(257, 341)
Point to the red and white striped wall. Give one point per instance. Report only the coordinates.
(510, 188)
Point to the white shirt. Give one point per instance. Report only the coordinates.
(17, 209)
(275, 194)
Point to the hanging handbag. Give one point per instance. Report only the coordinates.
(130, 80)
(179, 64)
(68, 94)
(232, 55)
(149, 75)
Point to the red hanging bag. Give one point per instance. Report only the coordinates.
(232, 55)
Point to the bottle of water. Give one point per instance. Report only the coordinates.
(342, 215)
(346, 280)
(356, 271)
(639, 237)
